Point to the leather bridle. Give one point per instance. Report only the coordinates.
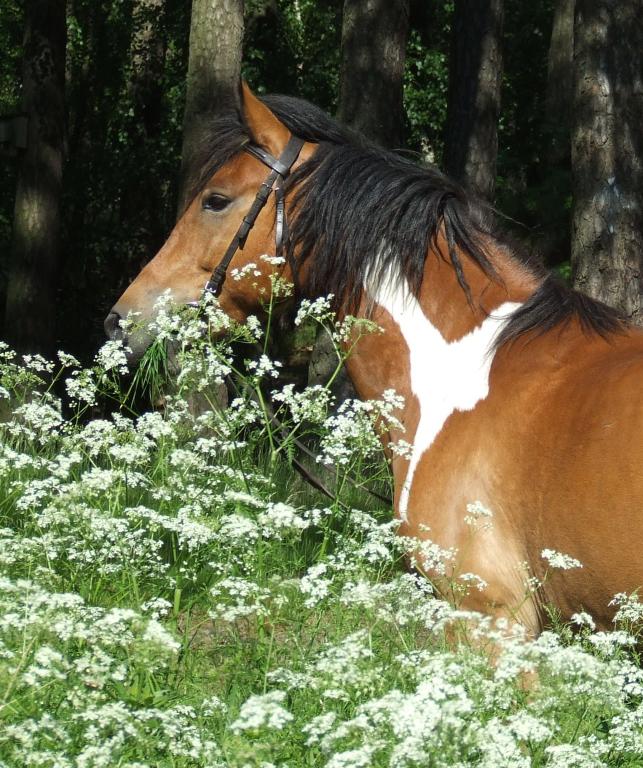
(279, 169)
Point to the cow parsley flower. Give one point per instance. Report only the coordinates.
(264, 366)
(263, 712)
(583, 619)
(314, 585)
(37, 363)
(280, 518)
(560, 560)
(477, 513)
(113, 356)
(275, 261)
(630, 608)
(250, 268)
(67, 360)
(81, 387)
(319, 309)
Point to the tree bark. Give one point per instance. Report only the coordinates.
(142, 208)
(560, 81)
(475, 77)
(555, 167)
(607, 153)
(214, 71)
(31, 283)
(374, 35)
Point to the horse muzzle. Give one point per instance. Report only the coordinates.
(136, 342)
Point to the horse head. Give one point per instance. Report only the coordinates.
(235, 218)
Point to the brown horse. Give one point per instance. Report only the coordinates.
(519, 393)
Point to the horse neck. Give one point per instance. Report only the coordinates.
(436, 346)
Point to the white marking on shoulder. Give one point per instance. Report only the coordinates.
(445, 377)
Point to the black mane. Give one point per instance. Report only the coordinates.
(358, 208)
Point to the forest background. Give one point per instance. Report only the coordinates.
(539, 89)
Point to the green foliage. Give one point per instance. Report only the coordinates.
(426, 78)
(124, 145)
(172, 595)
(10, 43)
(124, 129)
(293, 47)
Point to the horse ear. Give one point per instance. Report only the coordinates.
(265, 128)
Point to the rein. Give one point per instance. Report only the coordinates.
(309, 476)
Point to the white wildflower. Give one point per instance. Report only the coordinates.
(401, 448)
(81, 387)
(314, 585)
(113, 356)
(250, 268)
(254, 326)
(280, 517)
(319, 309)
(570, 756)
(309, 405)
(264, 711)
(264, 367)
(630, 608)
(583, 619)
(560, 560)
(275, 261)
(213, 706)
(157, 607)
(67, 360)
(37, 363)
(476, 512)
(354, 758)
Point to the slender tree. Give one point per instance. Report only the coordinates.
(31, 287)
(560, 81)
(555, 157)
(475, 76)
(607, 153)
(374, 35)
(142, 205)
(214, 69)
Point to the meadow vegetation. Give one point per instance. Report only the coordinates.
(173, 594)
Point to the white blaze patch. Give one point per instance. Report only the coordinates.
(445, 377)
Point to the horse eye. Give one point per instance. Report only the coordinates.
(215, 202)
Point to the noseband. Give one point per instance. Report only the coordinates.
(279, 169)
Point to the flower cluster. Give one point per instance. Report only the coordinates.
(171, 594)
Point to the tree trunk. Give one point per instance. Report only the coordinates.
(560, 81)
(471, 141)
(607, 153)
(555, 179)
(374, 34)
(142, 209)
(147, 52)
(214, 70)
(31, 283)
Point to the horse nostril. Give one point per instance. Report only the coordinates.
(112, 326)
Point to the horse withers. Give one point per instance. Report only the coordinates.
(519, 393)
